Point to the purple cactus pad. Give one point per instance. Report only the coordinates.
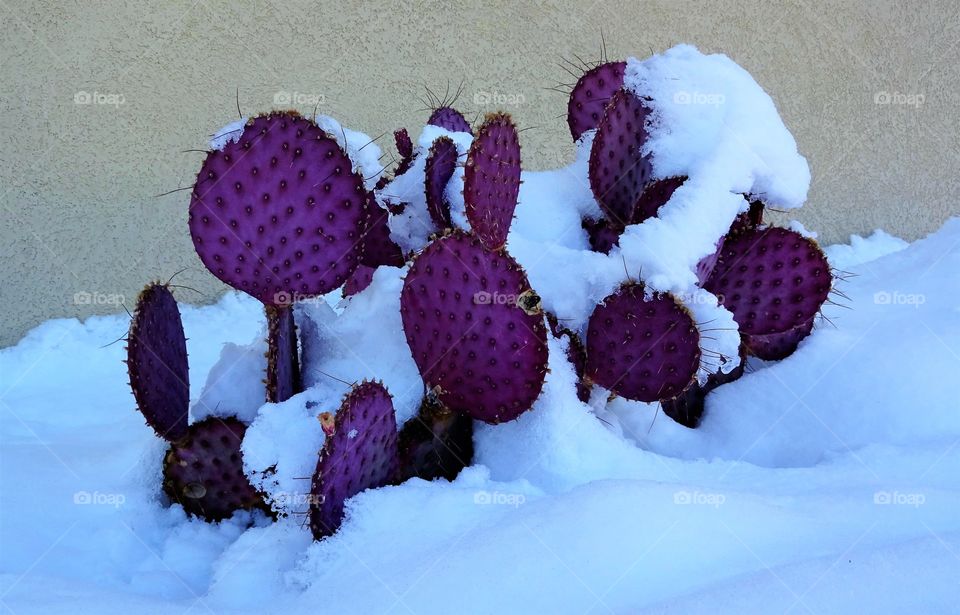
(359, 280)
(642, 349)
(441, 163)
(474, 328)
(450, 119)
(204, 472)
(280, 210)
(378, 248)
(655, 195)
(157, 362)
(777, 346)
(283, 360)
(773, 280)
(436, 443)
(688, 407)
(407, 155)
(602, 236)
(618, 170)
(591, 94)
(491, 180)
(576, 354)
(360, 453)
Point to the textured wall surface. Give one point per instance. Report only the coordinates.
(99, 100)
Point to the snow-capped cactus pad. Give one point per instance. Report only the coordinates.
(618, 169)
(475, 328)
(283, 361)
(361, 278)
(157, 362)
(642, 348)
(359, 453)
(449, 119)
(441, 163)
(280, 210)
(773, 280)
(204, 471)
(590, 96)
(491, 180)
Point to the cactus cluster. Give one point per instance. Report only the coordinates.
(282, 213)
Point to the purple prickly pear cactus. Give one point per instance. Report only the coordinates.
(405, 149)
(475, 328)
(645, 349)
(491, 180)
(591, 94)
(601, 235)
(450, 119)
(378, 248)
(618, 170)
(655, 195)
(437, 443)
(576, 354)
(776, 346)
(441, 163)
(774, 281)
(358, 281)
(360, 452)
(204, 471)
(280, 210)
(157, 362)
(283, 359)
(688, 407)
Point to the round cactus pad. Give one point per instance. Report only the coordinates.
(280, 210)
(474, 328)
(450, 119)
(591, 94)
(491, 180)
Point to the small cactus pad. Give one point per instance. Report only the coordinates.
(772, 279)
(360, 452)
(450, 119)
(618, 171)
(491, 180)
(777, 346)
(283, 362)
(157, 362)
(688, 407)
(475, 328)
(279, 210)
(204, 472)
(359, 280)
(602, 236)
(655, 195)
(645, 349)
(405, 149)
(378, 248)
(436, 443)
(441, 163)
(591, 94)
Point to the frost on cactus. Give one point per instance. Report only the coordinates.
(441, 163)
(475, 328)
(491, 180)
(774, 281)
(590, 96)
(450, 119)
(436, 443)
(157, 362)
(642, 348)
(359, 453)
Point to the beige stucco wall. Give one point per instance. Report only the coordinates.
(77, 180)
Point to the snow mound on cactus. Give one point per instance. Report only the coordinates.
(361, 147)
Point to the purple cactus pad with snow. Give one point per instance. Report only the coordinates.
(157, 362)
(645, 349)
(772, 279)
(405, 149)
(591, 94)
(283, 360)
(360, 453)
(777, 346)
(378, 248)
(601, 235)
(688, 407)
(655, 195)
(450, 119)
(279, 210)
(475, 328)
(441, 163)
(359, 280)
(491, 180)
(204, 472)
(576, 354)
(618, 170)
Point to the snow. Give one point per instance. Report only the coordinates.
(228, 134)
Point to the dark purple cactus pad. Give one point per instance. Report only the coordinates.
(358, 281)
(204, 472)
(407, 155)
(475, 328)
(157, 362)
(688, 407)
(450, 119)
(645, 350)
(360, 454)
(437, 443)
(772, 279)
(280, 210)
(776, 346)
(601, 234)
(576, 354)
(618, 171)
(378, 248)
(591, 94)
(749, 220)
(707, 264)
(283, 358)
(441, 163)
(655, 195)
(491, 180)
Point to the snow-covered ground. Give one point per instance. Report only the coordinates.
(827, 482)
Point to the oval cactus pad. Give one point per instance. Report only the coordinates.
(474, 328)
(450, 119)
(591, 94)
(279, 210)
(441, 163)
(491, 180)
(642, 348)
